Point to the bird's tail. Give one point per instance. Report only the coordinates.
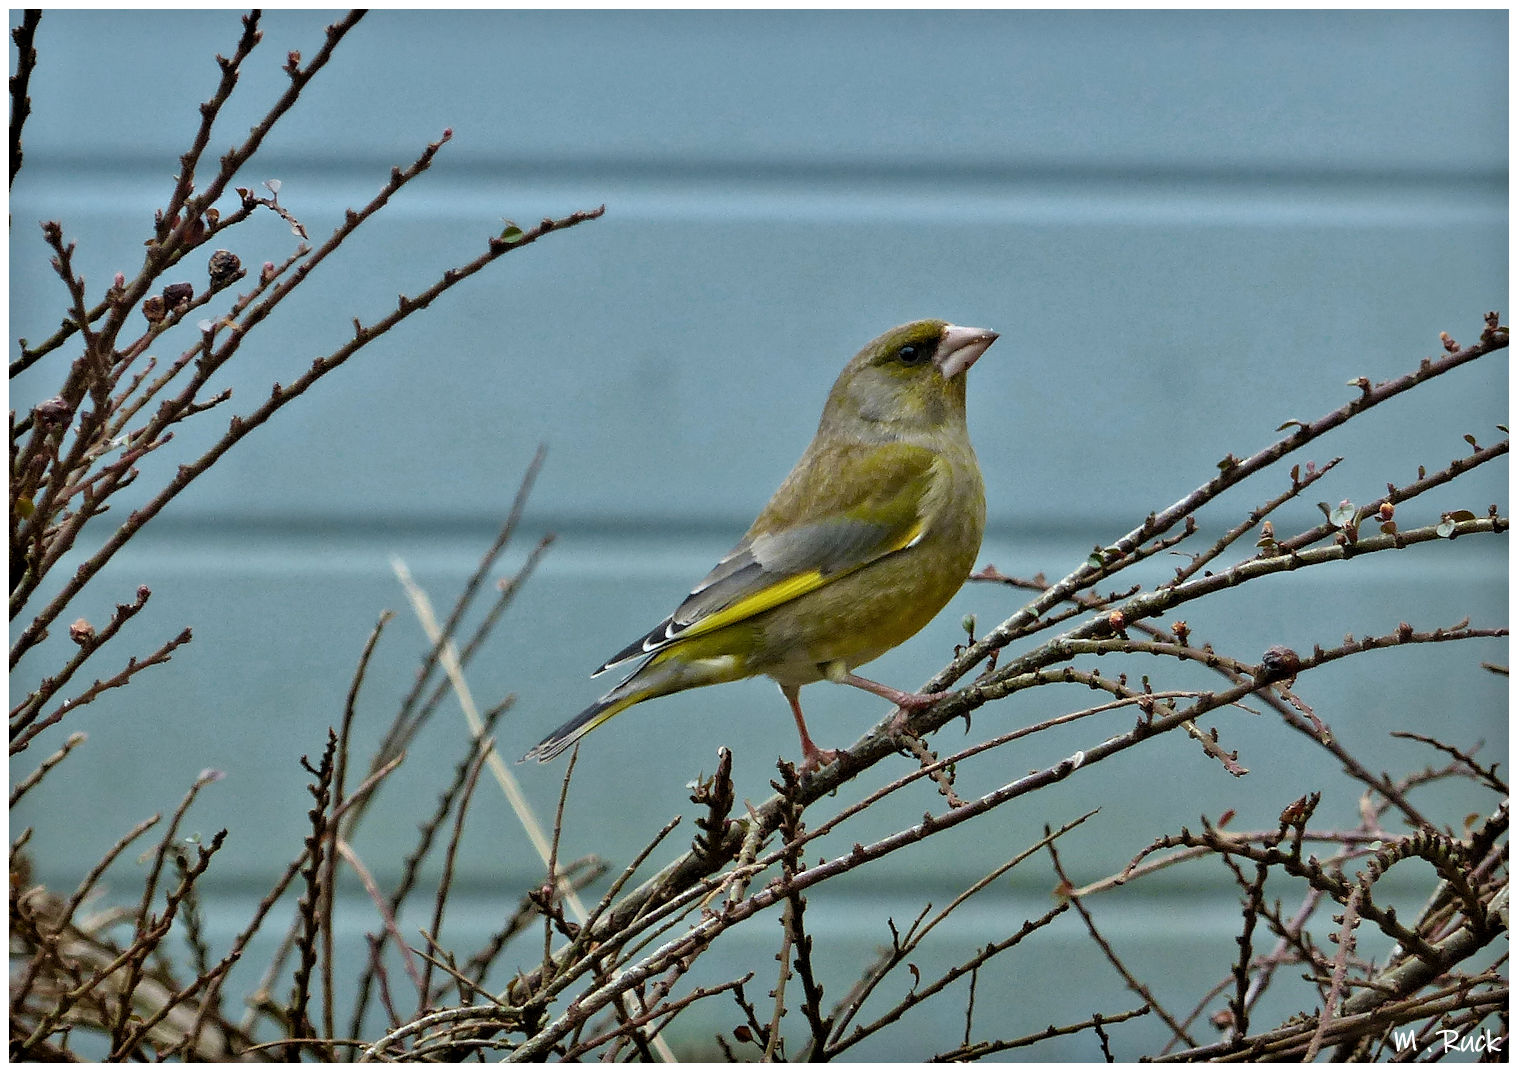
(670, 670)
(577, 727)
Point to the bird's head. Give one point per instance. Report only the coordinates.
(911, 380)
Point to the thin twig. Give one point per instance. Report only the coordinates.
(31, 780)
(975, 1052)
(387, 917)
(134, 666)
(1132, 981)
(450, 858)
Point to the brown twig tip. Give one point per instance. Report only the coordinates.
(717, 795)
(1296, 814)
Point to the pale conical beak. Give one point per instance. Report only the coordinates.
(959, 348)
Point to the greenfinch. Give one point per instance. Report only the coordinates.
(873, 531)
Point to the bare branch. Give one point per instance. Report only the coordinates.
(26, 61)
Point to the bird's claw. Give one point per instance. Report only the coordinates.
(906, 704)
(814, 759)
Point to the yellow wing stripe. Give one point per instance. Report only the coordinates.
(782, 591)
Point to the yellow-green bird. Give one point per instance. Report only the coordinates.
(870, 535)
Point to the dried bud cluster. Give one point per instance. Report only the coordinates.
(1280, 663)
(174, 295)
(54, 413)
(223, 266)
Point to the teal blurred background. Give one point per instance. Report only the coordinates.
(1188, 228)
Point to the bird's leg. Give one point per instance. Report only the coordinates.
(906, 701)
(812, 757)
(910, 701)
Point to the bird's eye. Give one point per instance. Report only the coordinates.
(912, 353)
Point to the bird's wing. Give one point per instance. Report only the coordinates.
(859, 502)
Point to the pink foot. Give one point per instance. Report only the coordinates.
(815, 758)
(916, 701)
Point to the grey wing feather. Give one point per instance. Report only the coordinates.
(837, 545)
